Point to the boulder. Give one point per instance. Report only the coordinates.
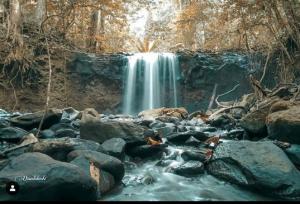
(103, 161)
(98, 130)
(144, 151)
(105, 180)
(222, 120)
(60, 148)
(47, 134)
(67, 133)
(115, 147)
(258, 165)
(255, 121)
(294, 154)
(3, 123)
(55, 180)
(32, 120)
(179, 113)
(189, 168)
(193, 155)
(284, 125)
(12, 134)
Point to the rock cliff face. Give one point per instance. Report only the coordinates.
(88, 80)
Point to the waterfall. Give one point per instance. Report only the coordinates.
(150, 82)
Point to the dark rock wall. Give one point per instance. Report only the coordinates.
(87, 80)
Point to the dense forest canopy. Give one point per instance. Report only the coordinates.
(127, 25)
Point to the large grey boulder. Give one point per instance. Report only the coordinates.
(32, 120)
(61, 147)
(92, 128)
(104, 162)
(258, 165)
(105, 180)
(56, 180)
(284, 125)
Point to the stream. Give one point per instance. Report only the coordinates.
(145, 180)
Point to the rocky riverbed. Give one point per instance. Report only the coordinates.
(161, 154)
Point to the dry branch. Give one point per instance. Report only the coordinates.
(233, 89)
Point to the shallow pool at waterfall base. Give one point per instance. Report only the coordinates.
(171, 187)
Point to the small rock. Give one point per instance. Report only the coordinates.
(189, 168)
(69, 114)
(147, 150)
(193, 155)
(66, 133)
(183, 136)
(192, 141)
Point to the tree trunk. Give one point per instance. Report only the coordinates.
(16, 22)
(40, 12)
(96, 29)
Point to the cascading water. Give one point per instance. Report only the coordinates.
(151, 82)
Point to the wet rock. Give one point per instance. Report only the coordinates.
(164, 163)
(181, 137)
(92, 128)
(234, 134)
(3, 123)
(208, 129)
(259, 165)
(189, 168)
(284, 125)
(62, 125)
(69, 114)
(166, 130)
(192, 141)
(294, 154)
(157, 124)
(61, 147)
(59, 180)
(193, 155)
(103, 161)
(222, 120)
(148, 179)
(32, 120)
(12, 134)
(47, 134)
(144, 151)
(181, 128)
(67, 133)
(255, 121)
(105, 181)
(115, 147)
(145, 123)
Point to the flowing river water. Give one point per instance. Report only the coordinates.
(146, 181)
